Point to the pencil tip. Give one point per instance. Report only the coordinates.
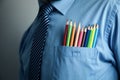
(79, 24)
(71, 23)
(97, 26)
(85, 29)
(74, 24)
(88, 27)
(67, 22)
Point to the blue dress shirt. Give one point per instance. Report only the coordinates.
(78, 63)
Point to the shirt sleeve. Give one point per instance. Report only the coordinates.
(115, 35)
(21, 71)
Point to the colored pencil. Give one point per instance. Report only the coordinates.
(73, 34)
(77, 36)
(96, 35)
(80, 37)
(91, 37)
(84, 35)
(69, 34)
(87, 37)
(93, 34)
(65, 33)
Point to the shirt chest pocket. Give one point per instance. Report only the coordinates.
(74, 63)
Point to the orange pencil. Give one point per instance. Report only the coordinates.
(73, 34)
(77, 36)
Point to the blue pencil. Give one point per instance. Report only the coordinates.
(96, 35)
(87, 37)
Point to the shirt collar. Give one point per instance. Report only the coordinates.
(62, 5)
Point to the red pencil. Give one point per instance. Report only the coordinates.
(65, 33)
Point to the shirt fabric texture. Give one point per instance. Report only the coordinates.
(77, 63)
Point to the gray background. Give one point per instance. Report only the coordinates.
(15, 17)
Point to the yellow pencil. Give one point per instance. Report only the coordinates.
(77, 35)
(73, 34)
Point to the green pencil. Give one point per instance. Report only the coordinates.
(91, 37)
(69, 34)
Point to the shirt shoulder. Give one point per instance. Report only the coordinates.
(118, 5)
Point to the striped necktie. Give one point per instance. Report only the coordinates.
(39, 43)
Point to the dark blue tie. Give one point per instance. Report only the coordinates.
(39, 43)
